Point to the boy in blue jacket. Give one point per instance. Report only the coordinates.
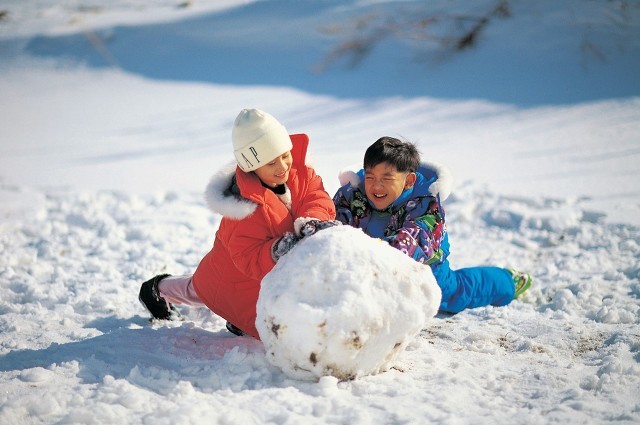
(398, 199)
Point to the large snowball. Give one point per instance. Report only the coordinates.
(343, 304)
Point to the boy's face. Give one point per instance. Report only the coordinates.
(276, 172)
(383, 184)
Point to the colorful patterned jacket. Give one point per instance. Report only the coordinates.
(414, 223)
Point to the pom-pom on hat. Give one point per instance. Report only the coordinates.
(258, 138)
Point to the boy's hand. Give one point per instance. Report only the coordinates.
(312, 226)
(283, 245)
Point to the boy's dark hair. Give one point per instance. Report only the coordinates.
(402, 155)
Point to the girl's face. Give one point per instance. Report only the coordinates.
(383, 184)
(276, 172)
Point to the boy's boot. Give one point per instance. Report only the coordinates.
(150, 298)
(521, 280)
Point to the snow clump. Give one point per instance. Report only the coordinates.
(341, 303)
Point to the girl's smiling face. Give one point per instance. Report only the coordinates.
(383, 184)
(276, 172)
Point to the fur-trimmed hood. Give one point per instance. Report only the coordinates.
(437, 179)
(221, 200)
(223, 196)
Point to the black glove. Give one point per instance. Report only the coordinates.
(283, 245)
(313, 225)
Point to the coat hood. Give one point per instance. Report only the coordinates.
(221, 200)
(436, 180)
(224, 197)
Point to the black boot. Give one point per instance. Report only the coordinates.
(158, 307)
(234, 329)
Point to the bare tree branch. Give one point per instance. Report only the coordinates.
(446, 34)
(366, 31)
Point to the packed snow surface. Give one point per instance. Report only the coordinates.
(115, 115)
(343, 304)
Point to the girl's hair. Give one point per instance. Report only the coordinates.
(402, 155)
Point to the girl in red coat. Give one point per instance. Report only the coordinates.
(268, 200)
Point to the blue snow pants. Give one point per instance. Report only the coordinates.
(473, 287)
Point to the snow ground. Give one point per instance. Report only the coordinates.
(101, 175)
(77, 348)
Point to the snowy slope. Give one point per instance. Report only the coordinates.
(547, 52)
(77, 348)
(102, 171)
(98, 130)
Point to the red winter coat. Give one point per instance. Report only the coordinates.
(228, 277)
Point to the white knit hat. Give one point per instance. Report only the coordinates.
(258, 138)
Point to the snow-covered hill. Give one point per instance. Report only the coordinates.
(76, 346)
(102, 170)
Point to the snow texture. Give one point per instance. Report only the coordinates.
(116, 114)
(343, 304)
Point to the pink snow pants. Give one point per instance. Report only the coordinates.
(179, 290)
